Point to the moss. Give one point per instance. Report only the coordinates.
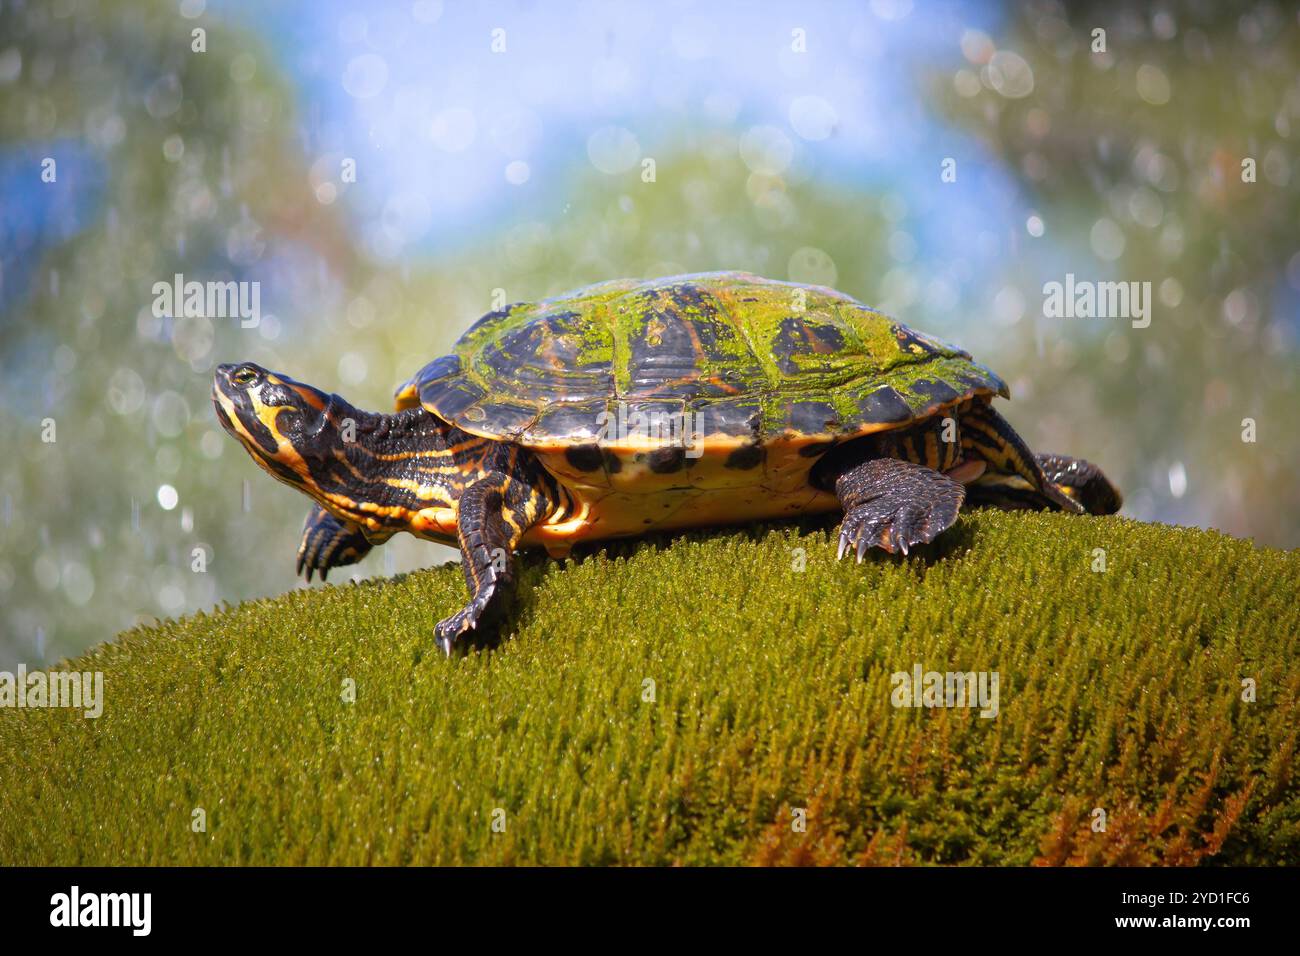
(771, 694)
(861, 350)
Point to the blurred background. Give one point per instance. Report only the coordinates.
(504, 146)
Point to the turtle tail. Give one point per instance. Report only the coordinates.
(1014, 478)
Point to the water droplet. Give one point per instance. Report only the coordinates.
(1010, 75)
(613, 149)
(1177, 479)
(1107, 239)
(365, 76)
(517, 173)
(167, 497)
(812, 117)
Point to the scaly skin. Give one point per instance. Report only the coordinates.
(373, 475)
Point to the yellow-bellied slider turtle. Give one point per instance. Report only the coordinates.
(634, 406)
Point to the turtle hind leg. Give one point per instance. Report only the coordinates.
(1083, 481)
(894, 504)
(1014, 478)
(329, 543)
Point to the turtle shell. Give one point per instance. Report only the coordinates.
(751, 360)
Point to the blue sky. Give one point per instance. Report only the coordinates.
(453, 140)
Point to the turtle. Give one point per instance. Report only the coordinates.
(636, 406)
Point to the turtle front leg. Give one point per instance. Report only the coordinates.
(329, 543)
(487, 529)
(893, 504)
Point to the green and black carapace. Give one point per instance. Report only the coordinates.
(636, 406)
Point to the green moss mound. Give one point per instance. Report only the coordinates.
(1119, 690)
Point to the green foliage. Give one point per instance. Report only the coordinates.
(1214, 246)
(772, 691)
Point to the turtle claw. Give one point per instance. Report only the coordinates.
(328, 543)
(450, 629)
(893, 504)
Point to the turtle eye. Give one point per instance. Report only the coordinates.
(243, 376)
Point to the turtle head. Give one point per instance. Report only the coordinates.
(366, 468)
(289, 428)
